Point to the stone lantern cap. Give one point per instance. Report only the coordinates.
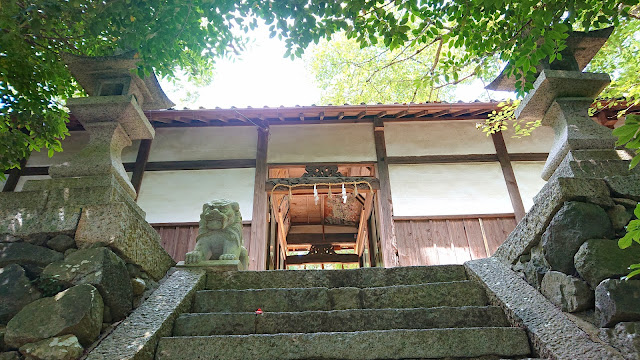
(112, 75)
(581, 47)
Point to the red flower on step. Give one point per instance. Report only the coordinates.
(259, 311)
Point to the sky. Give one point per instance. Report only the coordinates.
(261, 76)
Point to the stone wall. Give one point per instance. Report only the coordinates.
(567, 249)
(56, 298)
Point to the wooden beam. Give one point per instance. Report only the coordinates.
(421, 113)
(466, 158)
(310, 181)
(321, 259)
(340, 115)
(303, 164)
(401, 114)
(195, 165)
(140, 164)
(317, 229)
(14, 177)
(361, 114)
(440, 113)
(528, 156)
(436, 159)
(320, 239)
(387, 228)
(509, 176)
(250, 163)
(258, 242)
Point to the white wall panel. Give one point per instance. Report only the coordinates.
(539, 141)
(204, 143)
(436, 138)
(178, 196)
(448, 189)
(529, 180)
(321, 143)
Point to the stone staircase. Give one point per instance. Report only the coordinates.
(400, 313)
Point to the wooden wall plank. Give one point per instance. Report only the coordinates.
(475, 239)
(458, 240)
(428, 252)
(442, 242)
(494, 232)
(406, 242)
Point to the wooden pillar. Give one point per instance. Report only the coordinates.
(509, 176)
(14, 176)
(257, 246)
(387, 228)
(140, 164)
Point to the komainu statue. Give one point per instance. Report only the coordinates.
(219, 234)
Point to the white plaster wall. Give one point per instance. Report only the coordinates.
(71, 145)
(448, 189)
(204, 143)
(436, 138)
(177, 196)
(529, 180)
(321, 143)
(24, 179)
(539, 141)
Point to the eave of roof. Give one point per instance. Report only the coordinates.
(330, 114)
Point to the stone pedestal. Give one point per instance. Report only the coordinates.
(94, 210)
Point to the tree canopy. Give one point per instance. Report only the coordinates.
(189, 35)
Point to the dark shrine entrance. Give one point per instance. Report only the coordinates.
(322, 217)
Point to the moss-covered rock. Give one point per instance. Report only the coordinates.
(570, 227)
(101, 268)
(76, 311)
(600, 259)
(64, 347)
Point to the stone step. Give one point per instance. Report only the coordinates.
(338, 320)
(361, 278)
(378, 344)
(455, 293)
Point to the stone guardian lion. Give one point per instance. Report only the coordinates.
(219, 234)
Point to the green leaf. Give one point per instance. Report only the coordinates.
(625, 241)
(630, 275)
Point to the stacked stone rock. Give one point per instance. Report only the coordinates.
(578, 260)
(55, 299)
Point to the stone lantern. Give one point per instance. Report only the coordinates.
(112, 114)
(561, 97)
(90, 196)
